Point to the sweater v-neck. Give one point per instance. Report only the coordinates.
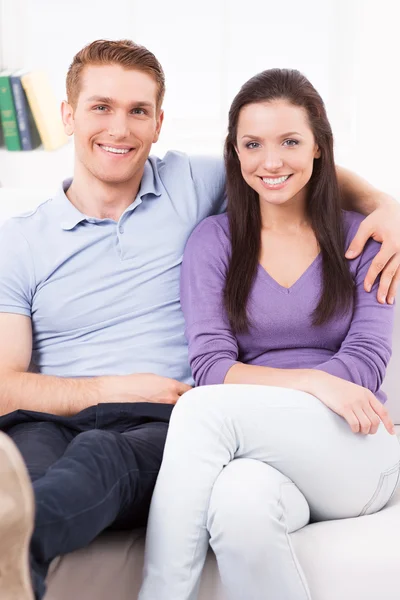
(297, 284)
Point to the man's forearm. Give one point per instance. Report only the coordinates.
(54, 395)
(358, 194)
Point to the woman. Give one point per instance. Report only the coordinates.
(276, 314)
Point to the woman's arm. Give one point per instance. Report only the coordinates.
(366, 350)
(213, 348)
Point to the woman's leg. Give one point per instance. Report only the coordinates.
(253, 509)
(341, 474)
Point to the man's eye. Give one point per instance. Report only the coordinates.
(139, 111)
(100, 108)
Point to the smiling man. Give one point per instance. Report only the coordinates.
(93, 355)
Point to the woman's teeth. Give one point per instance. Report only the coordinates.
(276, 181)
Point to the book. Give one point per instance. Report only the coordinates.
(1, 135)
(8, 113)
(28, 132)
(45, 109)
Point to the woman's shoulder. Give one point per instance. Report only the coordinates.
(351, 222)
(214, 230)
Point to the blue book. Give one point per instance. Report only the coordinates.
(28, 132)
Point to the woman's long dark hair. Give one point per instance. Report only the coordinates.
(323, 202)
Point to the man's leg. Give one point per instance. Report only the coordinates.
(104, 478)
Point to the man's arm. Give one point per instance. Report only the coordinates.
(382, 224)
(66, 396)
(359, 195)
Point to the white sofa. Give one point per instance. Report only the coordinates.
(351, 559)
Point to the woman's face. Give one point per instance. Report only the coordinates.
(276, 150)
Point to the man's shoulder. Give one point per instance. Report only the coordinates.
(177, 158)
(197, 168)
(32, 221)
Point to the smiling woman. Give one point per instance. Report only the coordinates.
(288, 352)
(282, 180)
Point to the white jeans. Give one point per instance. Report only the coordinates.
(244, 466)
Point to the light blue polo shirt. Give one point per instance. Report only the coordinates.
(104, 296)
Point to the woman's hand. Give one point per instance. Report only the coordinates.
(383, 225)
(356, 404)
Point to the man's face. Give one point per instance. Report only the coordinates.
(115, 122)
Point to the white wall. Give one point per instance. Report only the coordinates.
(347, 48)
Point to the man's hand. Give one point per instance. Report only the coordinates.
(143, 387)
(383, 225)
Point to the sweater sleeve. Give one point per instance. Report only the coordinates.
(365, 352)
(213, 348)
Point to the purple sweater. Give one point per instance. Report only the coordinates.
(355, 346)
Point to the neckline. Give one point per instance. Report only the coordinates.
(298, 283)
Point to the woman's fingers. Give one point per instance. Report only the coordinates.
(365, 423)
(352, 420)
(366, 417)
(383, 414)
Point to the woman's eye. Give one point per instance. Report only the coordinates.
(290, 142)
(252, 145)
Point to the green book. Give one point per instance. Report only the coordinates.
(8, 114)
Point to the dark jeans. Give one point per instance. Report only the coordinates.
(90, 472)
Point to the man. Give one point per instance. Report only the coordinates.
(92, 349)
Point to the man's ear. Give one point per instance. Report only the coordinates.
(67, 115)
(160, 120)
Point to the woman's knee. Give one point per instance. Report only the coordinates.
(252, 502)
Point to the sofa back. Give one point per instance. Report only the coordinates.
(16, 201)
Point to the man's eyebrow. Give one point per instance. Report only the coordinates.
(108, 100)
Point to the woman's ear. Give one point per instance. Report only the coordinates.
(317, 153)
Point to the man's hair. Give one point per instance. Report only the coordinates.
(125, 53)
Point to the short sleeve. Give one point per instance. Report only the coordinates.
(17, 281)
(208, 174)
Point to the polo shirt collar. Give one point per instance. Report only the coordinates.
(70, 216)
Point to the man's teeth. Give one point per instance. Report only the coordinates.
(116, 150)
(275, 181)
